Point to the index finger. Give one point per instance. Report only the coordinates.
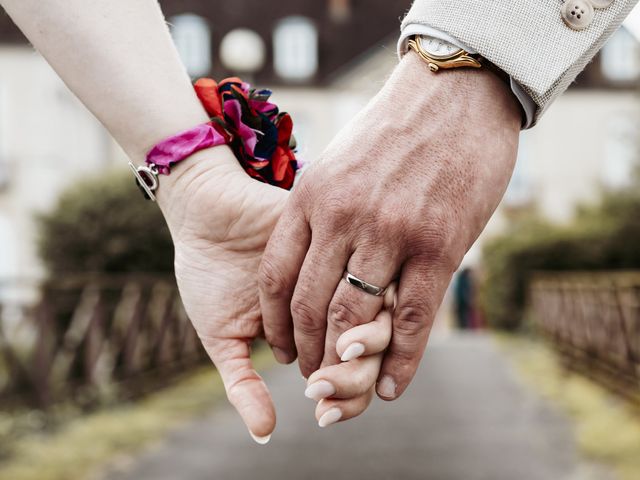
(277, 278)
(366, 339)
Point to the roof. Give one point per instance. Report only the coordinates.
(341, 40)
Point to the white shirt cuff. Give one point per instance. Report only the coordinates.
(528, 105)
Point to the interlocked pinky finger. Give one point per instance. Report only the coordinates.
(391, 297)
(333, 410)
(367, 339)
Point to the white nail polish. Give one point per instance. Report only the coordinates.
(260, 440)
(353, 351)
(319, 390)
(387, 387)
(330, 417)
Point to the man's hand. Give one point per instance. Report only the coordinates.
(220, 220)
(404, 191)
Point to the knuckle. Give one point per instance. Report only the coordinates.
(412, 319)
(304, 192)
(279, 338)
(271, 280)
(344, 316)
(440, 243)
(305, 317)
(391, 224)
(435, 237)
(403, 355)
(336, 212)
(438, 240)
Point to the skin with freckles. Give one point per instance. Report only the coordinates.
(402, 192)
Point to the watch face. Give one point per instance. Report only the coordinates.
(438, 48)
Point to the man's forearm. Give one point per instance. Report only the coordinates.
(402, 192)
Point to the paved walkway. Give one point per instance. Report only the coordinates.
(466, 417)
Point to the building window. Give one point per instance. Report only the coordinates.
(340, 10)
(192, 37)
(295, 47)
(620, 57)
(621, 153)
(243, 51)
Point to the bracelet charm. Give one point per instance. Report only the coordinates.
(146, 179)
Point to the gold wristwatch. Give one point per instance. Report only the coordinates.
(442, 55)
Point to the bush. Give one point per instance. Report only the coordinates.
(104, 225)
(606, 237)
(101, 227)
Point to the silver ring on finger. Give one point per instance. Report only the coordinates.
(364, 286)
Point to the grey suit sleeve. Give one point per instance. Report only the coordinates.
(526, 38)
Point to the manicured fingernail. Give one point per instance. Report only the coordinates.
(387, 387)
(353, 351)
(282, 356)
(319, 390)
(330, 417)
(260, 440)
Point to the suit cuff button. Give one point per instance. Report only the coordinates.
(577, 14)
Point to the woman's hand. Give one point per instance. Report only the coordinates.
(220, 220)
(345, 390)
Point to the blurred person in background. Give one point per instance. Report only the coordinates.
(402, 193)
(463, 299)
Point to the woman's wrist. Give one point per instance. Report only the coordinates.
(188, 177)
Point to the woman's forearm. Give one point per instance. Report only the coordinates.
(117, 56)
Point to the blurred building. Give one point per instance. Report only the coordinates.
(325, 59)
(48, 140)
(587, 143)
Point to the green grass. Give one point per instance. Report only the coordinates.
(607, 428)
(85, 443)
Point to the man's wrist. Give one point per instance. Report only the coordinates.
(527, 104)
(479, 88)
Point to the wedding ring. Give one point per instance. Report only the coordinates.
(364, 286)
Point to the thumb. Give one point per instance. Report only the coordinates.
(245, 389)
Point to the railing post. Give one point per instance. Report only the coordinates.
(593, 325)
